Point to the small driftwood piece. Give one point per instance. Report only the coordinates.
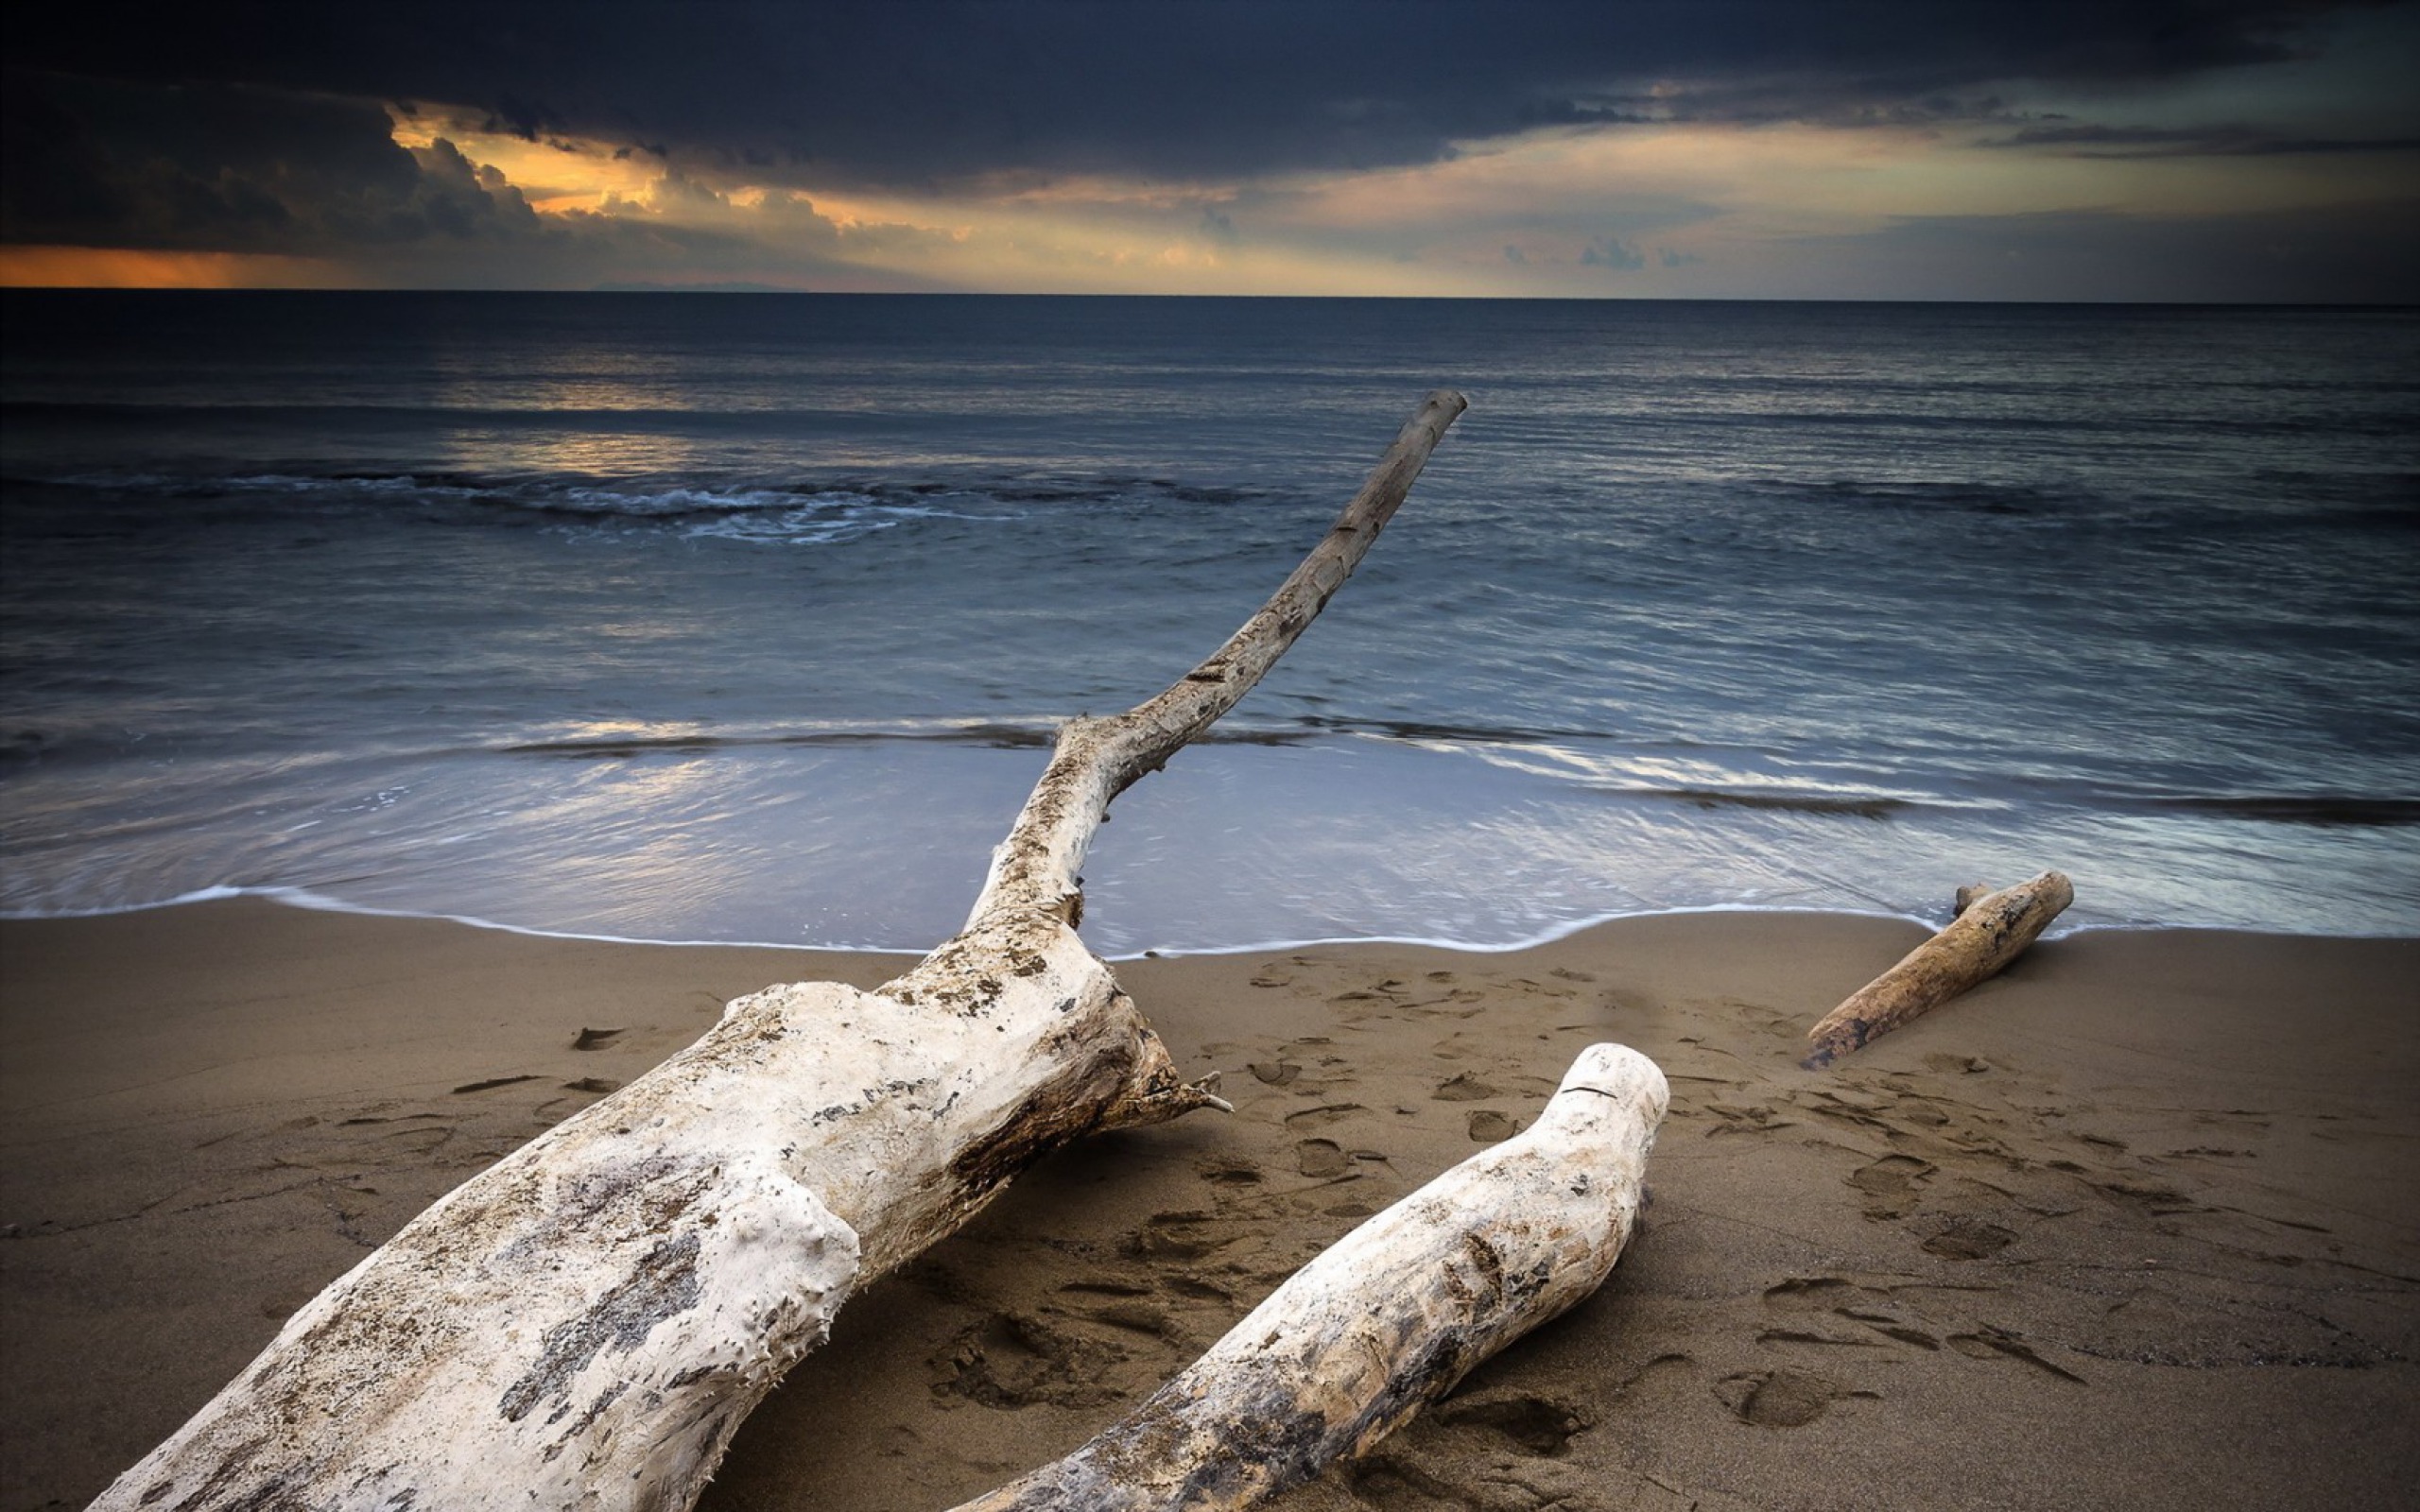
(1388, 1319)
(586, 1322)
(1991, 930)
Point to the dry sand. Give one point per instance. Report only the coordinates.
(2131, 1226)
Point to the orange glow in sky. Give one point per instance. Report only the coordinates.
(123, 268)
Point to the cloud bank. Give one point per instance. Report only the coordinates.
(1314, 145)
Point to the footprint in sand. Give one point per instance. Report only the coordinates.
(1832, 1341)
(1969, 1240)
(1138, 1316)
(1465, 1088)
(1274, 1073)
(1802, 1294)
(1176, 1236)
(1996, 1343)
(1487, 1126)
(1321, 1116)
(1321, 1158)
(1890, 1184)
(1755, 1119)
(1779, 1398)
(1881, 1323)
(1011, 1360)
(1539, 1426)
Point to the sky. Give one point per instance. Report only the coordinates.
(2050, 150)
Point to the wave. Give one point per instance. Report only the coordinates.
(1041, 734)
(1848, 801)
(2297, 808)
(2272, 500)
(991, 735)
(2029, 500)
(1855, 805)
(772, 511)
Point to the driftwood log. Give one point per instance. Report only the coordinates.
(585, 1323)
(1388, 1319)
(1991, 930)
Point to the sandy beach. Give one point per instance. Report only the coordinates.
(2131, 1226)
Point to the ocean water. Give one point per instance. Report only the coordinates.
(749, 617)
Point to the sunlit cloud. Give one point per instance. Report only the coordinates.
(554, 173)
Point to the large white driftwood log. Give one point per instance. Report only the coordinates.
(1991, 930)
(1388, 1319)
(584, 1323)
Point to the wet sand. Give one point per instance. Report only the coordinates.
(2131, 1226)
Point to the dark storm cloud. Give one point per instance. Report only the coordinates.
(244, 169)
(924, 91)
(230, 168)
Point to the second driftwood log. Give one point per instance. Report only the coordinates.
(1388, 1319)
(1991, 930)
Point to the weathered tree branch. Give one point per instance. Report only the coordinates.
(1097, 759)
(1388, 1319)
(1991, 930)
(585, 1323)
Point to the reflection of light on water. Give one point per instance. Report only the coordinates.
(606, 734)
(594, 452)
(573, 379)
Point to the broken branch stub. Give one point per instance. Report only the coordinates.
(1386, 1319)
(585, 1323)
(1991, 930)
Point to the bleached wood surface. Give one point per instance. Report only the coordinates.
(1388, 1319)
(1991, 930)
(585, 1323)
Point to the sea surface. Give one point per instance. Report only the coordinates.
(750, 617)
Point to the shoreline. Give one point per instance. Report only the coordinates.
(308, 899)
(2124, 1226)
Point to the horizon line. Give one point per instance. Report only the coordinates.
(731, 291)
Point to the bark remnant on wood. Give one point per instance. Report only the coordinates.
(584, 1324)
(1386, 1319)
(1991, 930)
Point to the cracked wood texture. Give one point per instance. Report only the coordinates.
(1388, 1317)
(1991, 930)
(585, 1323)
